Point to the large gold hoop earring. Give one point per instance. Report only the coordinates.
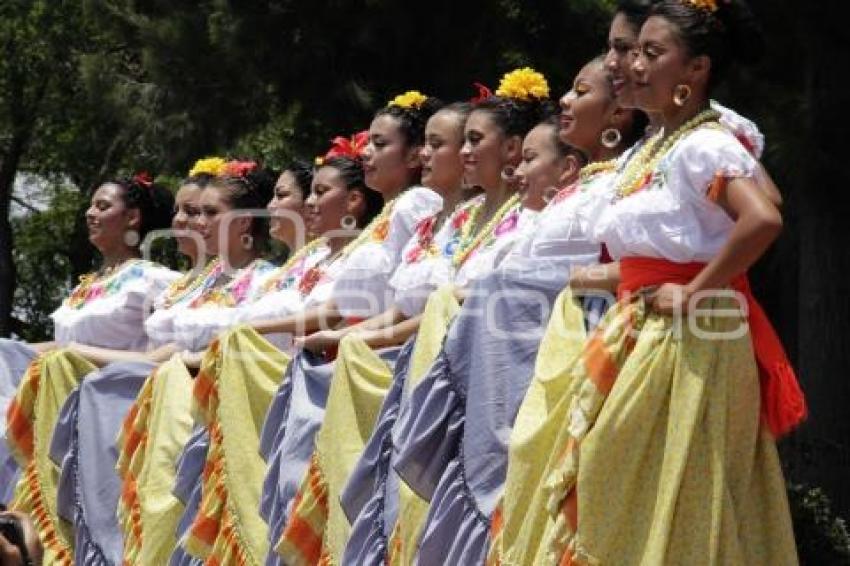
(681, 94)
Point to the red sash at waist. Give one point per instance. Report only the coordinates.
(783, 405)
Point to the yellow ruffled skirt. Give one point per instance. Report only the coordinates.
(648, 449)
(31, 417)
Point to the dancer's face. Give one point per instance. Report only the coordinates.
(442, 166)
(622, 51)
(286, 209)
(587, 108)
(187, 209)
(388, 161)
(108, 218)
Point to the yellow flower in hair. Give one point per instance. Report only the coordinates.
(209, 166)
(707, 5)
(523, 84)
(410, 99)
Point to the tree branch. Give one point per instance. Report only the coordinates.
(26, 205)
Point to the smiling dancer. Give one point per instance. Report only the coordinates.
(671, 417)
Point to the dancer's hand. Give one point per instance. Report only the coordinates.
(670, 299)
(320, 341)
(163, 353)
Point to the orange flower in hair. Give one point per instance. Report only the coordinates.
(238, 168)
(344, 147)
(705, 5)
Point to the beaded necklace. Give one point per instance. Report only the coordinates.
(469, 242)
(276, 281)
(186, 285)
(593, 169)
(380, 223)
(93, 286)
(425, 232)
(641, 168)
(587, 174)
(234, 291)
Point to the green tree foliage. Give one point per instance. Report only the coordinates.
(42, 256)
(34, 64)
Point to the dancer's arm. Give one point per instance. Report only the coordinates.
(324, 316)
(104, 356)
(757, 224)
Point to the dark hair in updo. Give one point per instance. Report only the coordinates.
(351, 172)
(729, 35)
(154, 202)
(251, 191)
(461, 109)
(636, 12)
(513, 116)
(302, 172)
(412, 120)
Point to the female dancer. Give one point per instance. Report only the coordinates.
(106, 310)
(666, 417)
(360, 290)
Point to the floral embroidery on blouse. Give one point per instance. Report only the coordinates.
(91, 287)
(234, 292)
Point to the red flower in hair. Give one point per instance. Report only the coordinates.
(238, 168)
(143, 178)
(483, 93)
(352, 148)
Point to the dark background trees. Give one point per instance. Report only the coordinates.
(93, 88)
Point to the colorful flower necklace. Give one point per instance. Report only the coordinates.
(93, 286)
(640, 170)
(469, 242)
(376, 230)
(427, 247)
(233, 292)
(189, 283)
(281, 276)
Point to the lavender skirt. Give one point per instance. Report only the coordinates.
(451, 438)
(83, 446)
